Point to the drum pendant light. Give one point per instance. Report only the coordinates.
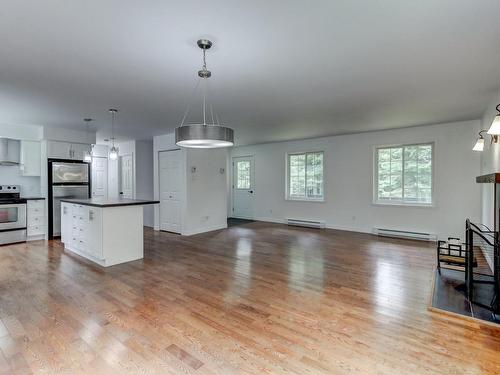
(206, 134)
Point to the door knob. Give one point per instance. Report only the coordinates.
(251, 191)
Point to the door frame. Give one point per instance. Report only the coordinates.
(252, 177)
(183, 188)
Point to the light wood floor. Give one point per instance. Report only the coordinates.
(255, 299)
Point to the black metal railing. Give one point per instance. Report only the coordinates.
(482, 242)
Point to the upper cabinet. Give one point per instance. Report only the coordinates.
(65, 150)
(30, 159)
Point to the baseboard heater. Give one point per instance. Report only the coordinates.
(394, 233)
(306, 223)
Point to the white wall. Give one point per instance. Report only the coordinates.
(349, 181)
(26, 132)
(205, 208)
(69, 135)
(490, 162)
(30, 186)
(144, 177)
(206, 190)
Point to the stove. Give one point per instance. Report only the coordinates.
(11, 194)
(12, 215)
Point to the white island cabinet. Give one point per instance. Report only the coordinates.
(107, 232)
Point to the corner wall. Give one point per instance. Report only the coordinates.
(349, 181)
(205, 206)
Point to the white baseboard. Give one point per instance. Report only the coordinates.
(203, 230)
(270, 220)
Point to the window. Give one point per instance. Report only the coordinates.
(305, 176)
(243, 174)
(404, 174)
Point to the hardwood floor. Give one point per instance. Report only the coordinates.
(254, 299)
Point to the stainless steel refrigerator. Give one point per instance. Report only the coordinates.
(66, 180)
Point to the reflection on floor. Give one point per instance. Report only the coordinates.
(233, 221)
(259, 298)
(449, 295)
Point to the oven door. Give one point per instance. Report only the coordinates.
(12, 216)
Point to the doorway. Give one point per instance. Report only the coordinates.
(127, 176)
(99, 177)
(243, 187)
(170, 176)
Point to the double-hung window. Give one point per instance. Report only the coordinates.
(404, 174)
(305, 176)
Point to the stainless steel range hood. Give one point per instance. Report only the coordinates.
(9, 151)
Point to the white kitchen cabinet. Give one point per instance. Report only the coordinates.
(35, 220)
(81, 230)
(31, 160)
(105, 231)
(66, 150)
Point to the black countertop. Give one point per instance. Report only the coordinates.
(110, 202)
(33, 198)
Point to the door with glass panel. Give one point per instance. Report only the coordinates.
(243, 187)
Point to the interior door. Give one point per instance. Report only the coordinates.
(243, 187)
(127, 176)
(170, 191)
(99, 177)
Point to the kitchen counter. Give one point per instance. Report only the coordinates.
(105, 231)
(33, 198)
(109, 202)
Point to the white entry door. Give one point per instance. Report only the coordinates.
(243, 187)
(127, 176)
(99, 177)
(170, 190)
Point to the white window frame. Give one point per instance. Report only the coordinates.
(287, 184)
(403, 203)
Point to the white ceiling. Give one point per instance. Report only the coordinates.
(281, 69)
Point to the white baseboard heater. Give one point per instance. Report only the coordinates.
(306, 223)
(394, 233)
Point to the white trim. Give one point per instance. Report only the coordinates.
(403, 203)
(288, 197)
(204, 230)
(252, 184)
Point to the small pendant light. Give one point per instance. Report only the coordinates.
(87, 156)
(204, 135)
(113, 152)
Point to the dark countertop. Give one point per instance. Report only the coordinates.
(33, 198)
(110, 202)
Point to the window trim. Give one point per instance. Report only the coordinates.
(288, 197)
(402, 203)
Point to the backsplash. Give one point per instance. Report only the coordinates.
(30, 186)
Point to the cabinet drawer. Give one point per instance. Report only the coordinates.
(35, 220)
(36, 230)
(35, 211)
(40, 204)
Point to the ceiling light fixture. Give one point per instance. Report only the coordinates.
(205, 135)
(87, 156)
(113, 152)
(494, 129)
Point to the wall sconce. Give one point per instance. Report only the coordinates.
(494, 129)
(479, 146)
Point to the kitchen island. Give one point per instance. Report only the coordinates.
(105, 231)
